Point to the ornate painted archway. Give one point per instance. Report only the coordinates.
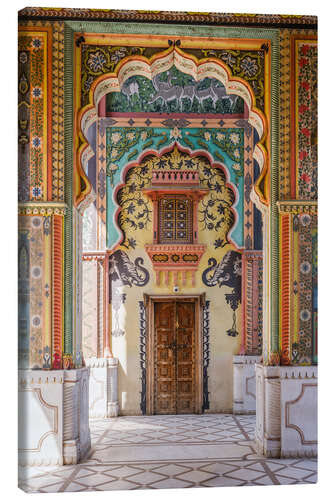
(149, 68)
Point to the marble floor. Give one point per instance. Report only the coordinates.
(172, 451)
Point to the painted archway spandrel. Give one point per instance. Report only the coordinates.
(199, 69)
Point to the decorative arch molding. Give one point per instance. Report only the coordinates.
(149, 68)
(192, 154)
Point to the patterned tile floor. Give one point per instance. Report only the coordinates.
(169, 452)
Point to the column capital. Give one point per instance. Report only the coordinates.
(44, 208)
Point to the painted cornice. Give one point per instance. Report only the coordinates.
(42, 208)
(141, 16)
(297, 206)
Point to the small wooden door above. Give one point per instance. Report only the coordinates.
(174, 357)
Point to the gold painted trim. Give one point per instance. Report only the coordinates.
(297, 206)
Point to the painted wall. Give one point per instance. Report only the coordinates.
(44, 178)
(126, 334)
(133, 268)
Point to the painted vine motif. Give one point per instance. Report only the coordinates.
(227, 273)
(120, 141)
(231, 141)
(136, 211)
(173, 92)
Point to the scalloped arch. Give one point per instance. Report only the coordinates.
(191, 154)
(163, 61)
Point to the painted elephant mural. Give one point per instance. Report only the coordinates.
(227, 273)
(123, 272)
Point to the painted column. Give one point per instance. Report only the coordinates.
(41, 266)
(103, 367)
(289, 392)
(252, 301)
(244, 400)
(46, 240)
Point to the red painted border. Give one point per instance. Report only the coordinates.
(57, 291)
(285, 289)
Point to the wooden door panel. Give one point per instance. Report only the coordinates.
(184, 371)
(185, 406)
(164, 336)
(185, 337)
(164, 371)
(174, 337)
(165, 368)
(185, 354)
(164, 388)
(184, 387)
(185, 368)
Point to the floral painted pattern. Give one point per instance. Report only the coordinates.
(248, 65)
(306, 121)
(230, 141)
(98, 60)
(32, 53)
(31, 289)
(302, 350)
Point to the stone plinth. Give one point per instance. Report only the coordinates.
(103, 387)
(286, 411)
(244, 398)
(53, 416)
(76, 415)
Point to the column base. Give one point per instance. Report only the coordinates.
(53, 416)
(286, 416)
(103, 387)
(244, 402)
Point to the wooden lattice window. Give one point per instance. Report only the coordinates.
(175, 221)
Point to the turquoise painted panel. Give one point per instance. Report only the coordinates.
(125, 145)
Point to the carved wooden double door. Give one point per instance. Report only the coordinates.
(174, 357)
